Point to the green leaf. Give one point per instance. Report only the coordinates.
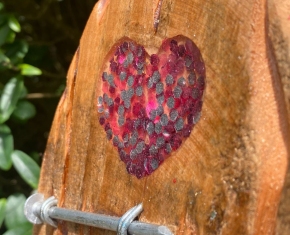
(22, 230)
(11, 36)
(16, 51)
(23, 92)
(1, 6)
(14, 24)
(26, 167)
(24, 110)
(4, 32)
(14, 216)
(10, 95)
(3, 58)
(6, 147)
(29, 70)
(2, 210)
(3, 19)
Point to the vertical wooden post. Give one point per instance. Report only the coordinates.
(227, 176)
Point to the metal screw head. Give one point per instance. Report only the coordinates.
(30, 208)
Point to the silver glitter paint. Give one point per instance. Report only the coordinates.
(100, 100)
(109, 134)
(181, 81)
(124, 95)
(169, 80)
(160, 99)
(191, 79)
(116, 140)
(105, 75)
(160, 142)
(152, 114)
(127, 103)
(101, 109)
(159, 88)
(106, 98)
(107, 114)
(140, 65)
(150, 83)
(150, 128)
(170, 102)
(125, 63)
(173, 114)
(156, 76)
(168, 148)
(136, 123)
(164, 119)
(110, 80)
(110, 102)
(130, 57)
(121, 110)
(130, 92)
(140, 146)
(126, 138)
(195, 93)
(133, 153)
(159, 110)
(154, 164)
(188, 61)
(139, 91)
(121, 144)
(130, 81)
(196, 117)
(122, 153)
(132, 46)
(133, 139)
(121, 121)
(177, 91)
(179, 124)
(123, 76)
(158, 128)
(153, 150)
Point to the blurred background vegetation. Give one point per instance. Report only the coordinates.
(38, 39)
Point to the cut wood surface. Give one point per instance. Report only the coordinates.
(279, 32)
(227, 177)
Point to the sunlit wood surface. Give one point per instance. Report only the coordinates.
(227, 177)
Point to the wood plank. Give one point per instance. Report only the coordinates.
(228, 175)
(279, 31)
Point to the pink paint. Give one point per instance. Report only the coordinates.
(150, 103)
(150, 106)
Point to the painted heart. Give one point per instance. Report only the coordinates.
(150, 104)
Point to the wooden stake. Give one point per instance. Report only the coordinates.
(227, 176)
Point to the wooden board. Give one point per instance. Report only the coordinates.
(228, 175)
(279, 32)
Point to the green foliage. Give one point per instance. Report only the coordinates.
(3, 203)
(26, 167)
(14, 212)
(6, 147)
(29, 70)
(9, 98)
(24, 110)
(13, 104)
(23, 230)
(14, 24)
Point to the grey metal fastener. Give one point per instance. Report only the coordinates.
(38, 211)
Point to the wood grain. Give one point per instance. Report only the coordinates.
(227, 176)
(279, 32)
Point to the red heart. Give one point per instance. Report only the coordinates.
(150, 103)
